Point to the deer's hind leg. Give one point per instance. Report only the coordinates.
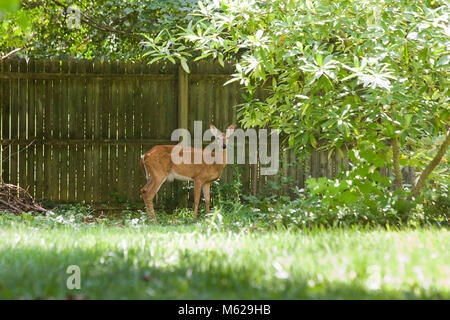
(149, 192)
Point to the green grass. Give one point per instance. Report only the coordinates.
(195, 261)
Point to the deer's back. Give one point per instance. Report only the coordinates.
(159, 158)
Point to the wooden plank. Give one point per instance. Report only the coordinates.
(89, 180)
(69, 142)
(73, 128)
(217, 115)
(79, 112)
(121, 130)
(204, 109)
(22, 124)
(183, 98)
(149, 97)
(105, 108)
(40, 123)
(97, 180)
(160, 130)
(65, 103)
(31, 130)
(222, 105)
(59, 100)
(145, 91)
(226, 105)
(1, 122)
(172, 114)
(162, 107)
(158, 113)
(55, 171)
(113, 128)
(48, 134)
(6, 108)
(138, 102)
(152, 76)
(171, 122)
(130, 160)
(14, 123)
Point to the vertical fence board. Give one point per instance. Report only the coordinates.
(31, 129)
(139, 104)
(22, 122)
(75, 128)
(56, 168)
(121, 128)
(148, 91)
(129, 150)
(48, 117)
(90, 183)
(74, 156)
(113, 123)
(56, 133)
(65, 102)
(1, 123)
(39, 104)
(96, 178)
(14, 150)
(105, 108)
(6, 113)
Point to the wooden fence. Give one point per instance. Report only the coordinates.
(74, 131)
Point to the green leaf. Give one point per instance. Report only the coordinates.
(444, 60)
(330, 153)
(171, 59)
(319, 59)
(9, 5)
(184, 65)
(220, 59)
(313, 141)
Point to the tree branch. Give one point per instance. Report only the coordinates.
(396, 159)
(12, 52)
(89, 21)
(437, 158)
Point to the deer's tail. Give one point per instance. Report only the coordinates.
(144, 167)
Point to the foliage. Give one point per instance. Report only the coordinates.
(227, 194)
(337, 74)
(346, 201)
(107, 28)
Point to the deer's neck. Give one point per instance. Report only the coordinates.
(221, 165)
(224, 156)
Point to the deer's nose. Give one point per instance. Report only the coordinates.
(224, 146)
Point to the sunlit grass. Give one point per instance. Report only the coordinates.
(194, 261)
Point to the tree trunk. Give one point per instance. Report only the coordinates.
(437, 158)
(396, 159)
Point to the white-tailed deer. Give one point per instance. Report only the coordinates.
(158, 166)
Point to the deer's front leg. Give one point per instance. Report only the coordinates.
(206, 188)
(197, 191)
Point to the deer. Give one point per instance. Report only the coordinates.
(158, 166)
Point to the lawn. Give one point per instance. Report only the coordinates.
(197, 261)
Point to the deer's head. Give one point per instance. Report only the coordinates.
(222, 138)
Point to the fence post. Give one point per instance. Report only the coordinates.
(183, 98)
(183, 107)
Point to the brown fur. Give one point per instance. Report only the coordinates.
(159, 165)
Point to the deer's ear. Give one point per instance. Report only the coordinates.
(214, 131)
(230, 130)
